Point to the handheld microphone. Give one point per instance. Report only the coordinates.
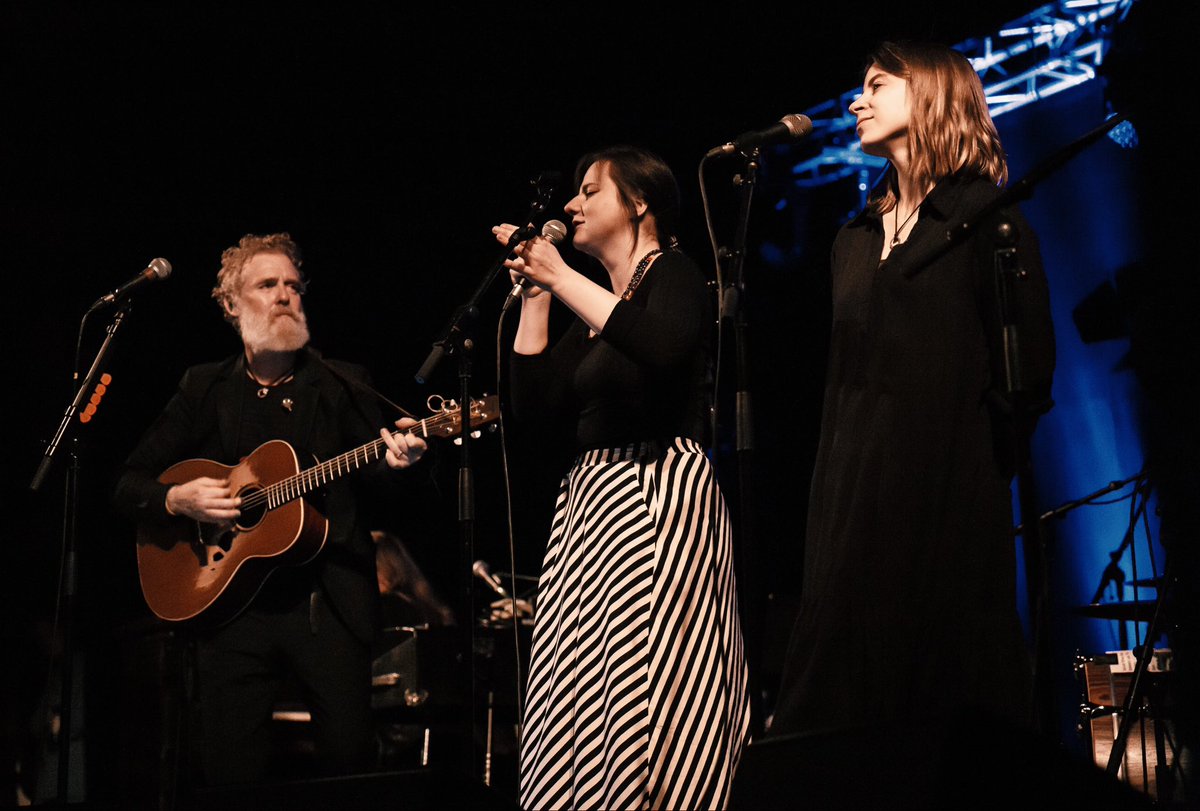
(157, 269)
(555, 232)
(481, 570)
(789, 128)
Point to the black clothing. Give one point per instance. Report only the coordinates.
(302, 617)
(647, 377)
(243, 670)
(637, 679)
(908, 605)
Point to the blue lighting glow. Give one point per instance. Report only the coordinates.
(1124, 135)
(1039, 75)
(1051, 49)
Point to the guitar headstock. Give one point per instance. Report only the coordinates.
(447, 414)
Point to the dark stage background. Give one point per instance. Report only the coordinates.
(387, 140)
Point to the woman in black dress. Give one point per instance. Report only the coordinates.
(908, 608)
(637, 685)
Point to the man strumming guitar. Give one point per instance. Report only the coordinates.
(315, 621)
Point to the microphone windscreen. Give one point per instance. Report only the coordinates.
(161, 267)
(555, 231)
(798, 124)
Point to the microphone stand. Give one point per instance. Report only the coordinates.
(70, 515)
(733, 305)
(1008, 276)
(456, 340)
(1112, 572)
(1061, 510)
(1014, 193)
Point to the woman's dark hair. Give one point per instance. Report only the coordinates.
(639, 173)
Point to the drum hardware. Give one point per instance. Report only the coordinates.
(487, 757)
(413, 669)
(1112, 575)
(1147, 756)
(1125, 611)
(1148, 583)
(1143, 695)
(413, 691)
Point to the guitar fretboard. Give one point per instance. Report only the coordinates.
(304, 482)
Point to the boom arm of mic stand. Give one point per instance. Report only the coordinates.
(1018, 191)
(1062, 509)
(457, 330)
(39, 477)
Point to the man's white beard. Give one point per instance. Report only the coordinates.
(273, 332)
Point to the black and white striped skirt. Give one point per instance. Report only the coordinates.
(637, 685)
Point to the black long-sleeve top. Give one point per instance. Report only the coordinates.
(644, 377)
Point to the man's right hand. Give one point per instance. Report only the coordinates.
(204, 499)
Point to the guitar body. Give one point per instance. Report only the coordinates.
(188, 568)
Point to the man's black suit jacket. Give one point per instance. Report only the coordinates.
(332, 416)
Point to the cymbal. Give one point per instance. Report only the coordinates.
(1128, 611)
(1148, 582)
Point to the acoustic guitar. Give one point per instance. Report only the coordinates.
(191, 569)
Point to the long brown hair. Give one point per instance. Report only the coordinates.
(950, 129)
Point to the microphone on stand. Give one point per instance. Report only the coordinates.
(481, 570)
(157, 269)
(789, 128)
(555, 232)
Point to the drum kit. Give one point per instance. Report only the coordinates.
(417, 696)
(417, 692)
(1124, 711)
(1125, 707)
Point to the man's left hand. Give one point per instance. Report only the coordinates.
(402, 449)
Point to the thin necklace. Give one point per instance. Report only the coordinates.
(638, 273)
(901, 225)
(265, 388)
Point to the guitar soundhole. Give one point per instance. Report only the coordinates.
(251, 516)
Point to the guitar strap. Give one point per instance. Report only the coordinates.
(355, 384)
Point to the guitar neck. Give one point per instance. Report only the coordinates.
(446, 423)
(319, 475)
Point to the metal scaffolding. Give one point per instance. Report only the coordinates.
(1051, 49)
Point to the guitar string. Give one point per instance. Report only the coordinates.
(300, 483)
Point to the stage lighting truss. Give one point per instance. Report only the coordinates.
(1052, 49)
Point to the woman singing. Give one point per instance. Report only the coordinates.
(908, 608)
(637, 685)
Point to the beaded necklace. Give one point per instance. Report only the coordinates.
(638, 273)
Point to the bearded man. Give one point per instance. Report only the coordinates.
(312, 623)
